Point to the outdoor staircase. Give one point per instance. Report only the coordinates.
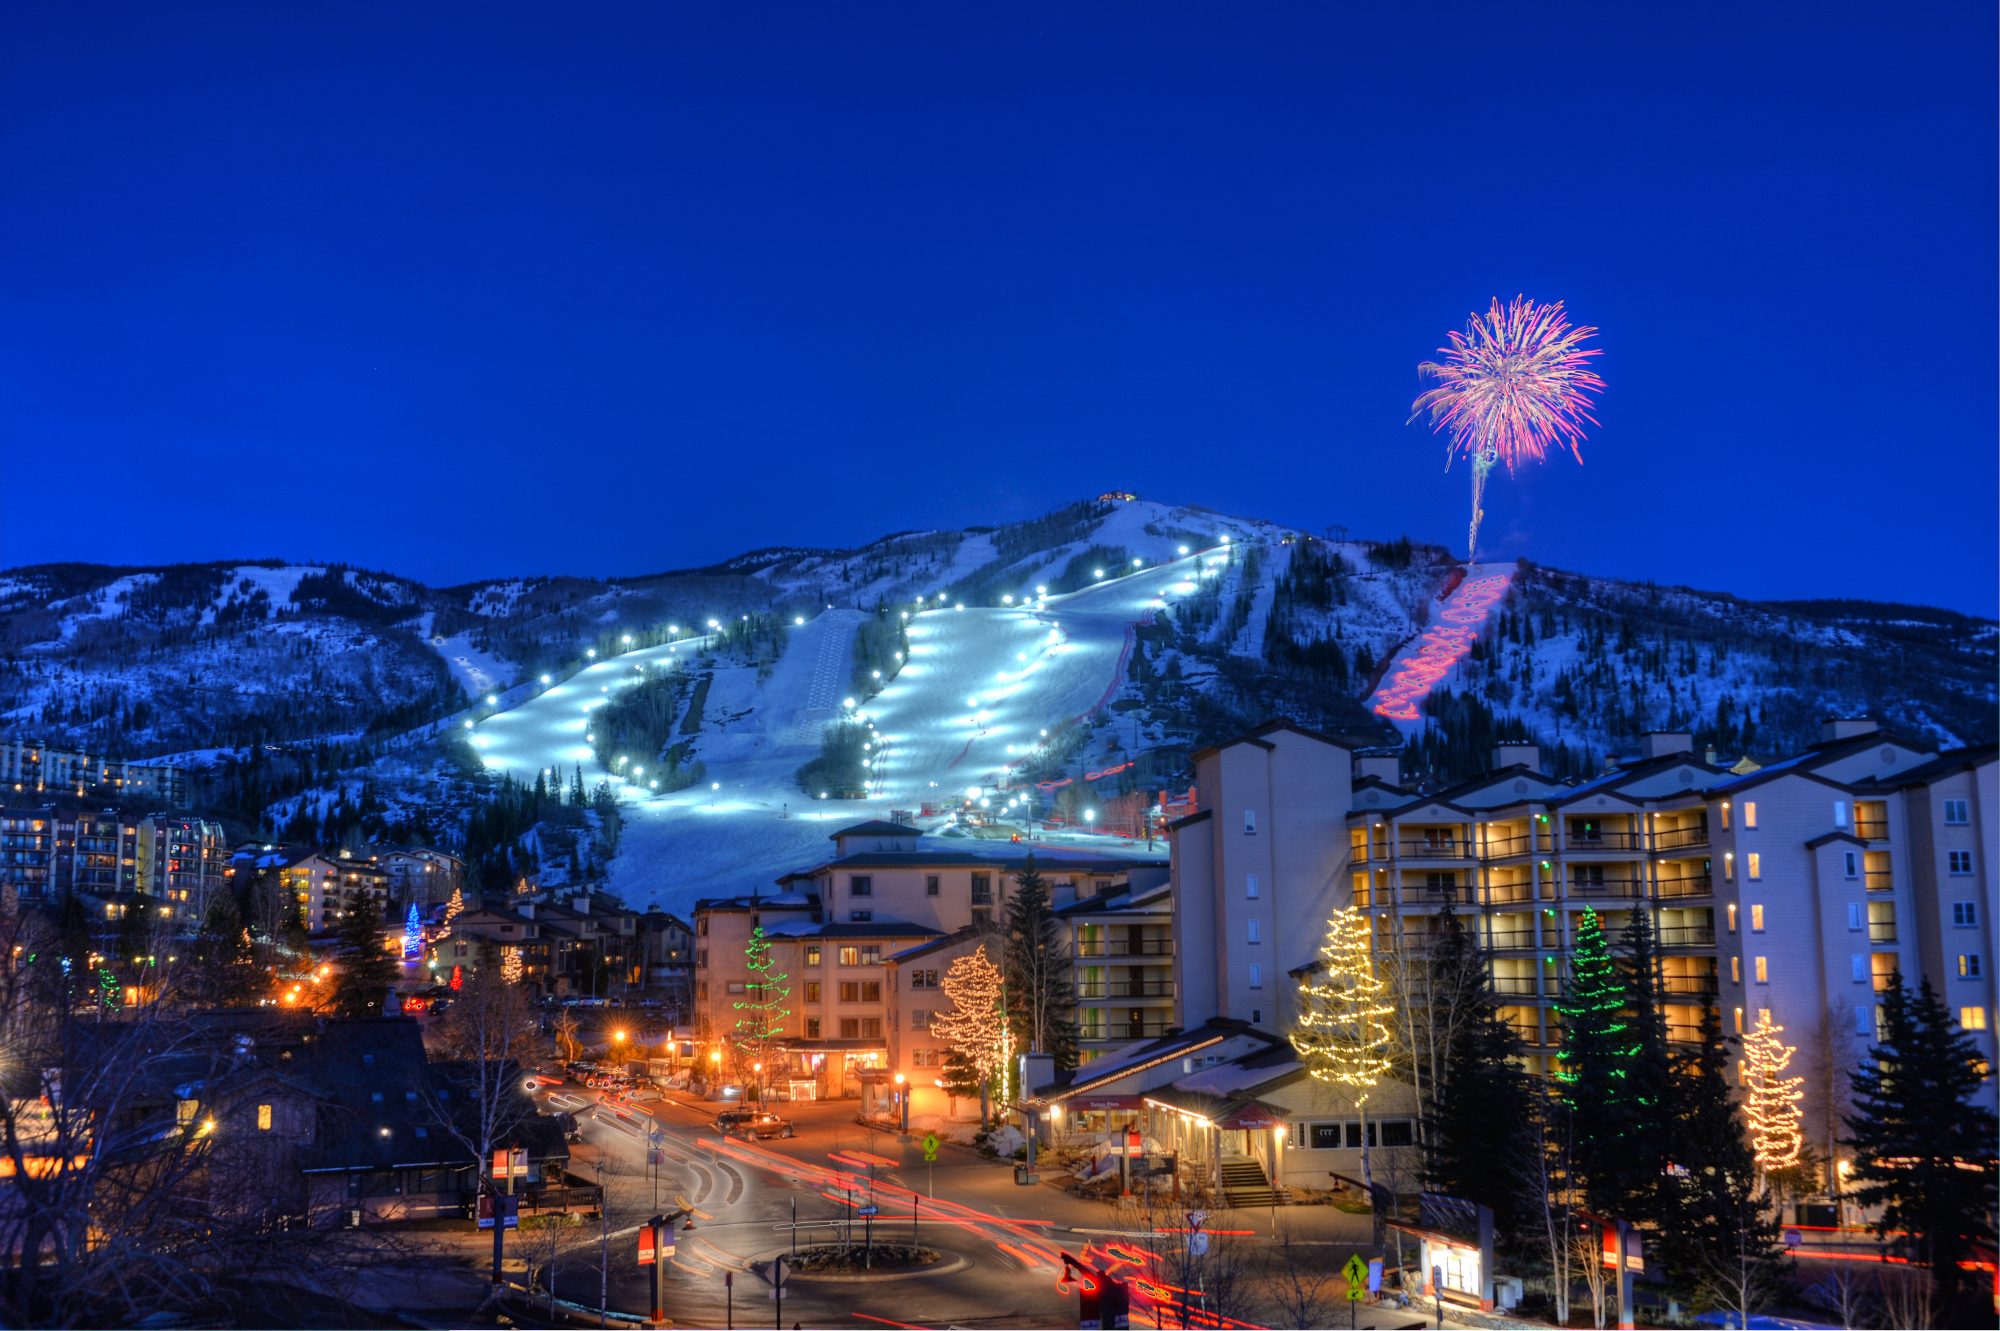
(1244, 1183)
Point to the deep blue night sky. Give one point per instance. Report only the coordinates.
(484, 290)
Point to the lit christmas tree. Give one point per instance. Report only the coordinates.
(1772, 1105)
(454, 908)
(763, 1003)
(413, 934)
(976, 1025)
(510, 964)
(1596, 1059)
(1342, 1032)
(457, 978)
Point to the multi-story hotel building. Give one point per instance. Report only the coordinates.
(28, 768)
(1798, 888)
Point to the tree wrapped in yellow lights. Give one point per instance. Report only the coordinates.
(510, 964)
(1342, 1032)
(975, 1026)
(1771, 1101)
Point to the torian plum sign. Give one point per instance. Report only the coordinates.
(1433, 653)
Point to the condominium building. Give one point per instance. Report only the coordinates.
(1797, 889)
(28, 768)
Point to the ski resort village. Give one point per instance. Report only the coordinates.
(1138, 913)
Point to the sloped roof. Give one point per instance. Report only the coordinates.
(877, 827)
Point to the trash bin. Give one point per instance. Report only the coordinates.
(1024, 1174)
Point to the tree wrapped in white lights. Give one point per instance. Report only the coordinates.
(510, 964)
(1771, 1101)
(976, 1024)
(1342, 1031)
(454, 908)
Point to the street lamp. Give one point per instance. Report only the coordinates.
(903, 1096)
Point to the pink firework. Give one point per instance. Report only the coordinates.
(1509, 386)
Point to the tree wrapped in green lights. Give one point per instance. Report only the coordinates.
(1597, 1059)
(762, 1008)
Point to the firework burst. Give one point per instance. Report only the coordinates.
(1516, 382)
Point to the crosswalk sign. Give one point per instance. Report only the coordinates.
(930, 1146)
(1357, 1278)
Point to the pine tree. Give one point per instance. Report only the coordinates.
(761, 1012)
(1923, 1144)
(1596, 1060)
(1640, 1167)
(1482, 1101)
(361, 985)
(1040, 990)
(1710, 1206)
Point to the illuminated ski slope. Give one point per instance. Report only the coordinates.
(1427, 659)
(980, 686)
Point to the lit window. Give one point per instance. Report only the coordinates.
(1840, 813)
(812, 955)
(263, 1118)
(1757, 918)
(1972, 1018)
(1739, 1021)
(1725, 815)
(1732, 917)
(1763, 971)
(1736, 970)
(1968, 965)
(1728, 866)
(1749, 813)
(1756, 865)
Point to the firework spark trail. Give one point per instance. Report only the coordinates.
(1515, 382)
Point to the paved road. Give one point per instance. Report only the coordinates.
(1003, 1241)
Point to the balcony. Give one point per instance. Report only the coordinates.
(1499, 847)
(1590, 889)
(1435, 848)
(1878, 880)
(1690, 986)
(1508, 893)
(1871, 829)
(1600, 839)
(1686, 885)
(1123, 1030)
(1124, 988)
(1125, 947)
(1681, 838)
(1687, 935)
(1882, 931)
(1511, 940)
(1513, 986)
(1682, 1032)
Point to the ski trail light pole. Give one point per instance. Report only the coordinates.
(729, 1294)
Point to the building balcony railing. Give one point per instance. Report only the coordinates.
(1681, 1032)
(1511, 940)
(1440, 848)
(1871, 829)
(1604, 887)
(1123, 1030)
(1502, 894)
(1516, 986)
(1125, 947)
(1434, 893)
(1499, 847)
(1686, 885)
(1690, 986)
(1124, 988)
(1681, 838)
(1881, 931)
(1878, 880)
(1687, 935)
(1601, 839)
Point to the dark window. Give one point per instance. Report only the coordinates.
(1325, 1136)
(860, 916)
(812, 1028)
(871, 991)
(1397, 1132)
(861, 885)
(930, 884)
(850, 991)
(812, 991)
(982, 887)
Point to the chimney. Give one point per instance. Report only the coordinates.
(1709, 755)
(1037, 1070)
(1660, 743)
(1525, 755)
(1846, 727)
(1382, 764)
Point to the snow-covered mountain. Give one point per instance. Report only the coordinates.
(1133, 631)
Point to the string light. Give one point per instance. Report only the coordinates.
(975, 1026)
(1343, 1027)
(1772, 1105)
(510, 964)
(763, 1003)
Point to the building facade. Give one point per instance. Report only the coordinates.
(29, 769)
